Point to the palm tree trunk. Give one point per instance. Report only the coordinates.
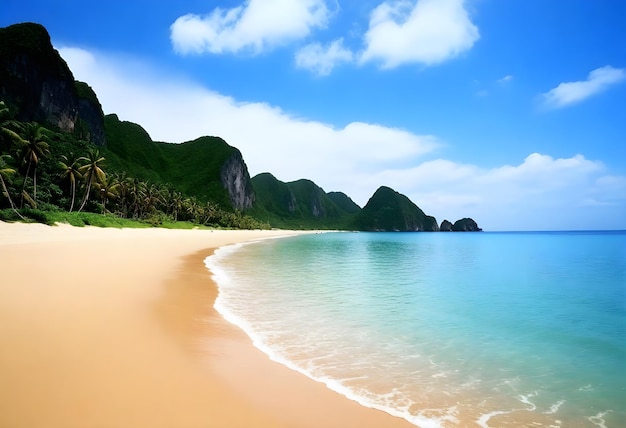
(35, 184)
(73, 196)
(6, 192)
(24, 184)
(86, 197)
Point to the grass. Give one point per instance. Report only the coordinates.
(81, 219)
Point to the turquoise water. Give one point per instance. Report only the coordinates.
(444, 329)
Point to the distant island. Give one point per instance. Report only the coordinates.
(60, 155)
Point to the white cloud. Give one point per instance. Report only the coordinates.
(427, 32)
(322, 59)
(572, 92)
(540, 193)
(506, 79)
(269, 138)
(255, 26)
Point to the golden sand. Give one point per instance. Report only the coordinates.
(115, 328)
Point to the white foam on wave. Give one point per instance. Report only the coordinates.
(375, 401)
(554, 408)
(598, 419)
(484, 419)
(526, 400)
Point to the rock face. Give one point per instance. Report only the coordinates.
(446, 226)
(235, 178)
(90, 115)
(390, 211)
(466, 225)
(38, 85)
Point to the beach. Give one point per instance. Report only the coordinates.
(116, 328)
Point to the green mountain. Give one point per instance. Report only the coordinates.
(300, 204)
(206, 168)
(465, 225)
(344, 202)
(388, 210)
(37, 86)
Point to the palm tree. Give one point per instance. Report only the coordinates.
(108, 188)
(70, 171)
(175, 203)
(210, 213)
(35, 146)
(135, 193)
(122, 194)
(92, 173)
(6, 172)
(152, 199)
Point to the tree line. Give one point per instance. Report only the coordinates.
(41, 169)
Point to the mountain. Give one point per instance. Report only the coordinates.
(300, 204)
(446, 226)
(390, 211)
(207, 168)
(465, 225)
(344, 202)
(37, 84)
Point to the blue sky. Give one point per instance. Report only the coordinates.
(511, 112)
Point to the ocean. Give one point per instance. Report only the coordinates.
(488, 329)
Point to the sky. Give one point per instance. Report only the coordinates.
(512, 112)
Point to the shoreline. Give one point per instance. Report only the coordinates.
(116, 328)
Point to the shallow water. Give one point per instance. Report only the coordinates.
(444, 329)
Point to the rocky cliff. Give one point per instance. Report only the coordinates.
(90, 115)
(206, 168)
(235, 178)
(37, 84)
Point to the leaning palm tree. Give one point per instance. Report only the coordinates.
(35, 146)
(92, 173)
(5, 173)
(70, 171)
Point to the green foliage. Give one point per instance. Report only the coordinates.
(70, 168)
(388, 210)
(299, 204)
(192, 168)
(31, 215)
(130, 149)
(84, 91)
(24, 37)
(465, 225)
(134, 177)
(344, 202)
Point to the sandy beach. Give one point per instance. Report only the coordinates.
(116, 328)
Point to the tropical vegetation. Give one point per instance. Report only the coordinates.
(48, 175)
